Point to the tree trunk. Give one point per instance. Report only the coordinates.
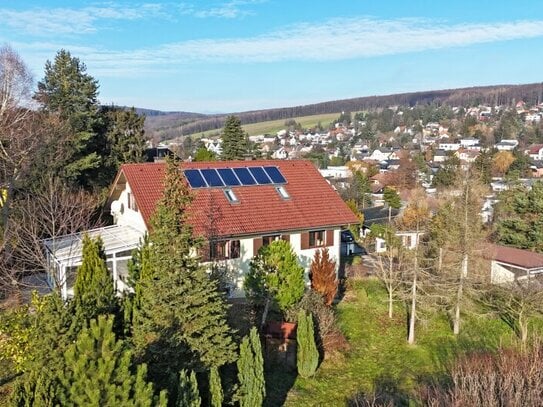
(265, 313)
(440, 261)
(389, 214)
(390, 304)
(412, 318)
(390, 282)
(411, 337)
(459, 295)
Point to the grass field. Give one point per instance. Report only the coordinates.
(273, 126)
(379, 358)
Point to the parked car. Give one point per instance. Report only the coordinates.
(347, 236)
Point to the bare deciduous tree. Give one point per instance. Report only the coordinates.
(51, 211)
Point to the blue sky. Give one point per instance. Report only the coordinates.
(236, 55)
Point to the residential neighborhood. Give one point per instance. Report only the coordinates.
(261, 204)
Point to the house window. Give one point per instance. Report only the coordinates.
(266, 240)
(232, 198)
(224, 250)
(132, 202)
(282, 192)
(317, 238)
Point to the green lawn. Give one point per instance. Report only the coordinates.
(273, 126)
(380, 358)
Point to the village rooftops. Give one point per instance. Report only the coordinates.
(303, 201)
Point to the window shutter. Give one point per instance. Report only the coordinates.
(205, 252)
(330, 237)
(257, 244)
(305, 240)
(286, 238)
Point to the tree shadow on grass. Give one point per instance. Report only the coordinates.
(279, 381)
(386, 392)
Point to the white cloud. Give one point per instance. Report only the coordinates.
(333, 40)
(52, 22)
(230, 9)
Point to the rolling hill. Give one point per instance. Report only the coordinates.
(169, 125)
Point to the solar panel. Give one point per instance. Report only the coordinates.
(195, 179)
(244, 176)
(228, 177)
(275, 175)
(260, 175)
(212, 177)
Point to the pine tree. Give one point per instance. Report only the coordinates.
(252, 388)
(215, 387)
(392, 199)
(181, 319)
(69, 92)
(98, 371)
(94, 293)
(307, 356)
(323, 275)
(187, 392)
(234, 144)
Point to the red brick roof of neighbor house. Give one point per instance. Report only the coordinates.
(534, 149)
(260, 209)
(522, 258)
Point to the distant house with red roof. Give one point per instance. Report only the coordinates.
(509, 264)
(237, 207)
(536, 152)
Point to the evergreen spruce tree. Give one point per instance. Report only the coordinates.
(70, 93)
(94, 293)
(215, 387)
(307, 356)
(181, 319)
(234, 142)
(252, 388)
(98, 371)
(187, 392)
(392, 199)
(51, 332)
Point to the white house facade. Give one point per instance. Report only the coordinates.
(237, 207)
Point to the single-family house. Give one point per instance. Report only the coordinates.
(508, 264)
(536, 152)
(237, 207)
(506, 145)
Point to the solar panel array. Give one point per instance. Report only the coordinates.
(234, 177)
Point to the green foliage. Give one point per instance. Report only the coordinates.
(482, 166)
(187, 392)
(94, 293)
(252, 389)
(391, 198)
(275, 273)
(98, 371)
(67, 91)
(203, 154)
(215, 387)
(520, 218)
(126, 136)
(234, 143)
(448, 174)
(51, 330)
(181, 317)
(307, 356)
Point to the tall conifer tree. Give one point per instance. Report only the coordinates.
(252, 388)
(307, 357)
(234, 141)
(181, 320)
(94, 293)
(187, 392)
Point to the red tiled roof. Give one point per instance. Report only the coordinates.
(516, 257)
(534, 149)
(312, 204)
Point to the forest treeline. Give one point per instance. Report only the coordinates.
(178, 124)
